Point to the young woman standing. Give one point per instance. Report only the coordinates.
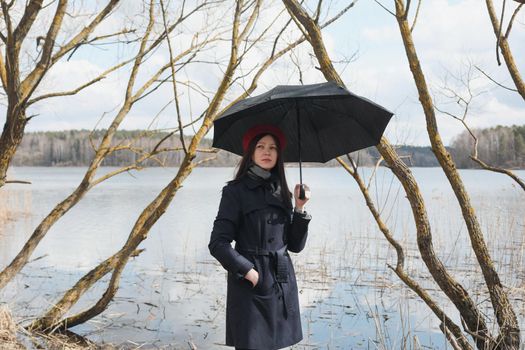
(262, 304)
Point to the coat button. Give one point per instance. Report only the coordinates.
(271, 240)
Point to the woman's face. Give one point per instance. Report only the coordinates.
(265, 153)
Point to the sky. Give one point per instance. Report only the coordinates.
(451, 37)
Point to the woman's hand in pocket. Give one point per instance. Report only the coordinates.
(252, 276)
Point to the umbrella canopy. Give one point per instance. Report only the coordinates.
(320, 121)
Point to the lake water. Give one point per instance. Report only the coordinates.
(173, 294)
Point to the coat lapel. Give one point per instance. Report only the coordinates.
(253, 184)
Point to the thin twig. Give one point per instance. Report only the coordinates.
(18, 182)
(494, 81)
(499, 32)
(415, 16)
(387, 10)
(507, 33)
(175, 96)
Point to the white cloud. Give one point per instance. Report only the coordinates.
(380, 34)
(445, 42)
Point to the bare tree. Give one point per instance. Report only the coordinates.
(463, 101)
(244, 38)
(451, 330)
(20, 85)
(473, 320)
(502, 42)
(509, 332)
(132, 95)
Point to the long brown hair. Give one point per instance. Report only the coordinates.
(278, 170)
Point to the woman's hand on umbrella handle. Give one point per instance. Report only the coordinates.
(299, 203)
(252, 276)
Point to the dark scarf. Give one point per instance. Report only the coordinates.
(258, 173)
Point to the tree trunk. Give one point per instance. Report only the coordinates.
(509, 328)
(505, 50)
(11, 137)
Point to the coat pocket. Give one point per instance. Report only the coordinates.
(265, 284)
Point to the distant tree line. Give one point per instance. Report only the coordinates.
(77, 148)
(500, 146)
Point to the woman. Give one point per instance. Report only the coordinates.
(262, 304)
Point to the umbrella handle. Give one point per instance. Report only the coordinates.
(301, 192)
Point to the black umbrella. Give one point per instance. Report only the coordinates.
(320, 121)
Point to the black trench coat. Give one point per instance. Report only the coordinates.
(265, 316)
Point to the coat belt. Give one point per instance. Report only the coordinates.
(278, 257)
(255, 251)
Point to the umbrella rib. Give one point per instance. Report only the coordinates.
(320, 144)
(317, 134)
(338, 113)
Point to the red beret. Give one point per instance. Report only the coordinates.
(263, 129)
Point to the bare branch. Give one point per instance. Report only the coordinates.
(31, 81)
(295, 62)
(372, 175)
(9, 40)
(465, 105)
(505, 49)
(507, 33)
(99, 38)
(193, 50)
(337, 16)
(30, 13)
(175, 96)
(251, 21)
(77, 290)
(75, 91)
(318, 11)
(384, 8)
(498, 37)
(140, 57)
(259, 38)
(45, 59)
(278, 36)
(494, 81)
(509, 173)
(407, 9)
(18, 182)
(205, 160)
(298, 24)
(415, 16)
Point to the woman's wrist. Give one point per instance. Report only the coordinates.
(299, 209)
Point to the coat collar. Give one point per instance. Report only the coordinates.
(252, 184)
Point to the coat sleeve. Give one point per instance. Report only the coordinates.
(225, 228)
(298, 231)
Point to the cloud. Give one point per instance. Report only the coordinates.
(381, 34)
(78, 111)
(446, 43)
(448, 35)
